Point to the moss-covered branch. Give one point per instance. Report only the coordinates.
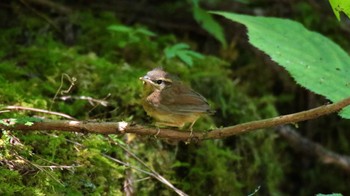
(124, 127)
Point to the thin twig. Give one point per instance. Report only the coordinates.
(41, 15)
(109, 157)
(128, 184)
(40, 169)
(154, 173)
(127, 164)
(37, 110)
(91, 100)
(72, 83)
(4, 111)
(142, 179)
(52, 167)
(52, 5)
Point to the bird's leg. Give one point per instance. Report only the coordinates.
(191, 128)
(191, 133)
(158, 131)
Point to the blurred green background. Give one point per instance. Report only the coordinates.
(106, 46)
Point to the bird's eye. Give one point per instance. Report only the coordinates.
(159, 81)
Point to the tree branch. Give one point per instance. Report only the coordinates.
(52, 5)
(124, 127)
(313, 149)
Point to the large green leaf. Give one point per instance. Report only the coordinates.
(313, 60)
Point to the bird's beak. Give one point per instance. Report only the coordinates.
(145, 79)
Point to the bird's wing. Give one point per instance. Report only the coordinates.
(183, 101)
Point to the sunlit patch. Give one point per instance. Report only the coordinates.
(74, 122)
(122, 126)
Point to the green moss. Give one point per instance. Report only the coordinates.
(102, 68)
(36, 62)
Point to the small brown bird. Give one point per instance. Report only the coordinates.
(170, 102)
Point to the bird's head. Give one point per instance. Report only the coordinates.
(158, 79)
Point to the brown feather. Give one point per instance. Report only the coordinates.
(171, 102)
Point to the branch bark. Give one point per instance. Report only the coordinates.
(124, 127)
(52, 5)
(313, 149)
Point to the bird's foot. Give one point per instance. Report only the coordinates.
(158, 131)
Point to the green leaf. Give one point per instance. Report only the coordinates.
(172, 51)
(312, 59)
(333, 194)
(181, 50)
(28, 120)
(28, 123)
(208, 23)
(127, 29)
(340, 6)
(194, 54)
(120, 28)
(185, 58)
(145, 32)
